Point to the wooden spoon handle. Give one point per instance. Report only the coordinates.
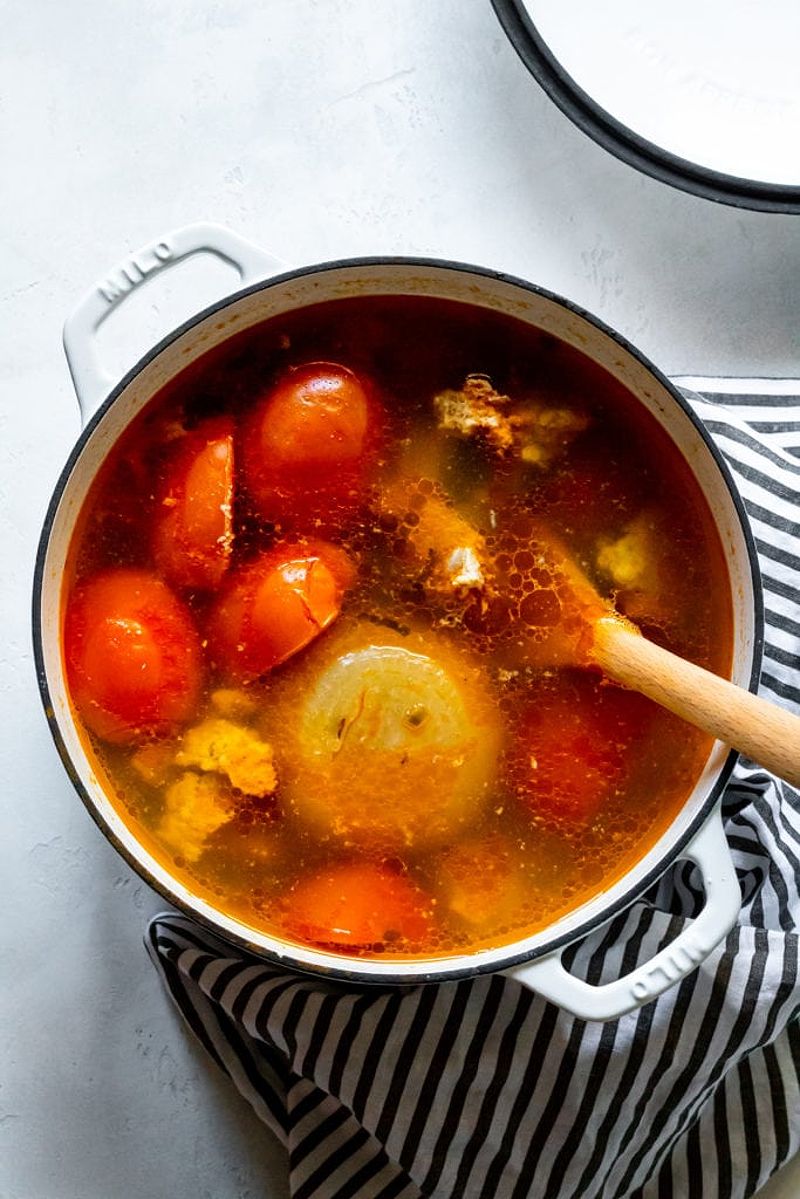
(764, 732)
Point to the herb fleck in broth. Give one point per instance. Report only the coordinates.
(310, 637)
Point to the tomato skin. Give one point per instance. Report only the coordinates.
(357, 905)
(192, 535)
(571, 752)
(273, 607)
(133, 657)
(308, 443)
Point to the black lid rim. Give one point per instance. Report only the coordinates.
(621, 141)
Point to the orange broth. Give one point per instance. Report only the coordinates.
(549, 781)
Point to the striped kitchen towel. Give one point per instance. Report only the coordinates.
(481, 1089)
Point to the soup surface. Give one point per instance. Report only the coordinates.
(320, 641)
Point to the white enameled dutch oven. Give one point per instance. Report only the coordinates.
(696, 834)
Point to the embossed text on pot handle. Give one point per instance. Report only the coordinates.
(709, 850)
(92, 382)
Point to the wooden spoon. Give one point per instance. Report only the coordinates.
(591, 632)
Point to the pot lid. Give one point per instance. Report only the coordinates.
(705, 96)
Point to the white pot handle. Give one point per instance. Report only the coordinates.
(92, 382)
(710, 851)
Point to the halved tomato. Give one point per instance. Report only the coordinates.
(358, 904)
(193, 528)
(571, 750)
(274, 606)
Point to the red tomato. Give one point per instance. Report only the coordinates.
(133, 656)
(273, 607)
(572, 748)
(306, 445)
(193, 529)
(357, 905)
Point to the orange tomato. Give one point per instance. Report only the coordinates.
(193, 530)
(306, 444)
(133, 656)
(572, 748)
(274, 606)
(358, 904)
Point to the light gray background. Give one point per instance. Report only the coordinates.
(319, 129)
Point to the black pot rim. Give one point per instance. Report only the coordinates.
(405, 975)
(623, 142)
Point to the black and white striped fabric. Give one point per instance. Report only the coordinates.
(481, 1089)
